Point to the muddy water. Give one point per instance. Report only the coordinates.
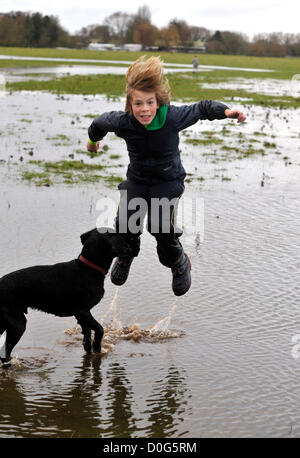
(217, 362)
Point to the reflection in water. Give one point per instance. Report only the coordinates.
(12, 410)
(92, 405)
(167, 404)
(34, 404)
(119, 400)
(79, 411)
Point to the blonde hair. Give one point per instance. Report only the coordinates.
(147, 76)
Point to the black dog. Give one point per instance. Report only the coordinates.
(65, 289)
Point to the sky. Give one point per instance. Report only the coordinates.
(246, 16)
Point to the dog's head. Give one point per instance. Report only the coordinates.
(101, 245)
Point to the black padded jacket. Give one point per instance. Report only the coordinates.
(154, 154)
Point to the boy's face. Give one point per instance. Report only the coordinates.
(144, 106)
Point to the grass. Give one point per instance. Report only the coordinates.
(204, 141)
(283, 67)
(38, 178)
(113, 86)
(185, 86)
(88, 153)
(68, 172)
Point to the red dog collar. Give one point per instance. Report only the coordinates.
(91, 264)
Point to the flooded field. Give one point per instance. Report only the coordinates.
(221, 361)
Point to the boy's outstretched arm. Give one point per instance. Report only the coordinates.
(235, 114)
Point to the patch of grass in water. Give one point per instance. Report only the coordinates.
(89, 154)
(230, 149)
(92, 116)
(213, 153)
(252, 151)
(260, 133)
(113, 86)
(70, 172)
(64, 140)
(225, 178)
(269, 145)
(204, 141)
(209, 133)
(25, 120)
(102, 150)
(59, 137)
(61, 166)
(113, 180)
(38, 178)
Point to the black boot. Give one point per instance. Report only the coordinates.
(181, 275)
(120, 271)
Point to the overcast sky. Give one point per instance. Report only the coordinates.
(247, 16)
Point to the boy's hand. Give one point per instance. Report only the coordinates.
(92, 148)
(235, 114)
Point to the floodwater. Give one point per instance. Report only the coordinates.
(127, 62)
(68, 67)
(267, 86)
(221, 361)
(47, 73)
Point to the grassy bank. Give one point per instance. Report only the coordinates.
(283, 67)
(185, 87)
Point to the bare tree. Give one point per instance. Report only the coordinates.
(118, 25)
(143, 15)
(199, 33)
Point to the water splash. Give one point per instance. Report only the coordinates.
(162, 325)
(2, 345)
(113, 308)
(114, 331)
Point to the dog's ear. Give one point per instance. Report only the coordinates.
(86, 235)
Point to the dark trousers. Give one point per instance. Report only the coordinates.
(159, 202)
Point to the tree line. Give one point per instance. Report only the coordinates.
(32, 30)
(37, 30)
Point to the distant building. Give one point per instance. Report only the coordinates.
(197, 48)
(101, 46)
(132, 47)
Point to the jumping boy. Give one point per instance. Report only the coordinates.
(150, 126)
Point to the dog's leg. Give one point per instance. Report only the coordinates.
(16, 325)
(88, 322)
(86, 331)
